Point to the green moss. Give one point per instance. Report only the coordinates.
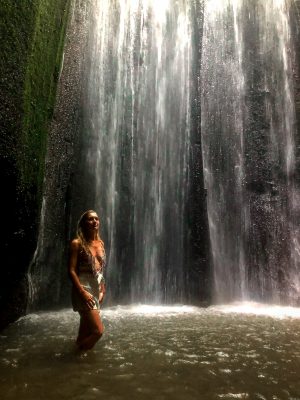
(15, 33)
(31, 40)
(32, 36)
(42, 71)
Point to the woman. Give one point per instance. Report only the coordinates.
(86, 265)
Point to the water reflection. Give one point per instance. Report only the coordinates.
(175, 352)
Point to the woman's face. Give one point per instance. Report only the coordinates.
(92, 221)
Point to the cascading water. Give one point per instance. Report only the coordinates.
(248, 137)
(222, 140)
(137, 127)
(140, 123)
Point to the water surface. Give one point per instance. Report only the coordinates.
(178, 352)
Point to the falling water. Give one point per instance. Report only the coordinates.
(137, 127)
(222, 136)
(248, 134)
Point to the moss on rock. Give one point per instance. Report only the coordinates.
(32, 36)
(42, 72)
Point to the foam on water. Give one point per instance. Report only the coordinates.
(250, 307)
(224, 351)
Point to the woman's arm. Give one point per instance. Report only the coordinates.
(73, 255)
(102, 291)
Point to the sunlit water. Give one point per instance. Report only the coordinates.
(238, 351)
(135, 140)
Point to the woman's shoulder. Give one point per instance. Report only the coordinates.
(75, 244)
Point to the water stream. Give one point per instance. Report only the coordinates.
(249, 151)
(136, 120)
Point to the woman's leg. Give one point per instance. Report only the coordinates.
(90, 330)
(83, 330)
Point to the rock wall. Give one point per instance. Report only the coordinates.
(295, 12)
(32, 40)
(198, 279)
(50, 284)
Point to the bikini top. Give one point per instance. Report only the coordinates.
(87, 262)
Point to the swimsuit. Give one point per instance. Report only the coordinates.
(90, 278)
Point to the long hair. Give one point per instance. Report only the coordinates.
(81, 231)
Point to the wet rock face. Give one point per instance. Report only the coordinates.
(32, 49)
(295, 28)
(48, 270)
(250, 149)
(198, 280)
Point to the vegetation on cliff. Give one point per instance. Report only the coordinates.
(32, 36)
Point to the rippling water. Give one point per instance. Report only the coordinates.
(228, 352)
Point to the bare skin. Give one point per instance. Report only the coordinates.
(91, 327)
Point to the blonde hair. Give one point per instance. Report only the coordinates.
(81, 233)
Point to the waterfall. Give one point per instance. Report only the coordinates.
(249, 152)
(136, 123)
(144, 81)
